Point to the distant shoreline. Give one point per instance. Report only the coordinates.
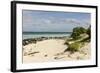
(34, 40)
(46, 33)
(28, 35)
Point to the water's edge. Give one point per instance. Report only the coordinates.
(27, 35)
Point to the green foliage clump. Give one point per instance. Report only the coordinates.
(74, 47)
(78, 39)
(77, 32)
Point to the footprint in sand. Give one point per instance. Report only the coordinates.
(31, 53)
(45, 55)
(57, 58)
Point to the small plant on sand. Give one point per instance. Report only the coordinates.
(73, 47)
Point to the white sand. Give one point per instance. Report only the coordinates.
(52, 50)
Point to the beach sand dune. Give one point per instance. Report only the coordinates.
(52, 50)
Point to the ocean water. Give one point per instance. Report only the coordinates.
(27, 35)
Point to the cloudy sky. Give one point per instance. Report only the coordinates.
(52, 21)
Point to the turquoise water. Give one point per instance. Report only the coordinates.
(27, 35)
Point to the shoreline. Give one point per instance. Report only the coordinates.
(34, 40)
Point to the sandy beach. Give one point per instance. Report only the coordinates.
(53, 50)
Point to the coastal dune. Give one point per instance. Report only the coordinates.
(52, 50)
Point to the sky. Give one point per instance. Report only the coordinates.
(54, 21)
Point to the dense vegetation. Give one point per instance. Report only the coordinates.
(74, 47)
(77, 32)
(78, 39)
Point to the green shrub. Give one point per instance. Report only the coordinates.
(77, 32)
(74, 47)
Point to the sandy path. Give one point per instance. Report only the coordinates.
(47, 49)
(52, 50)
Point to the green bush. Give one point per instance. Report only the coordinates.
(77, 32)
(74, 47)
